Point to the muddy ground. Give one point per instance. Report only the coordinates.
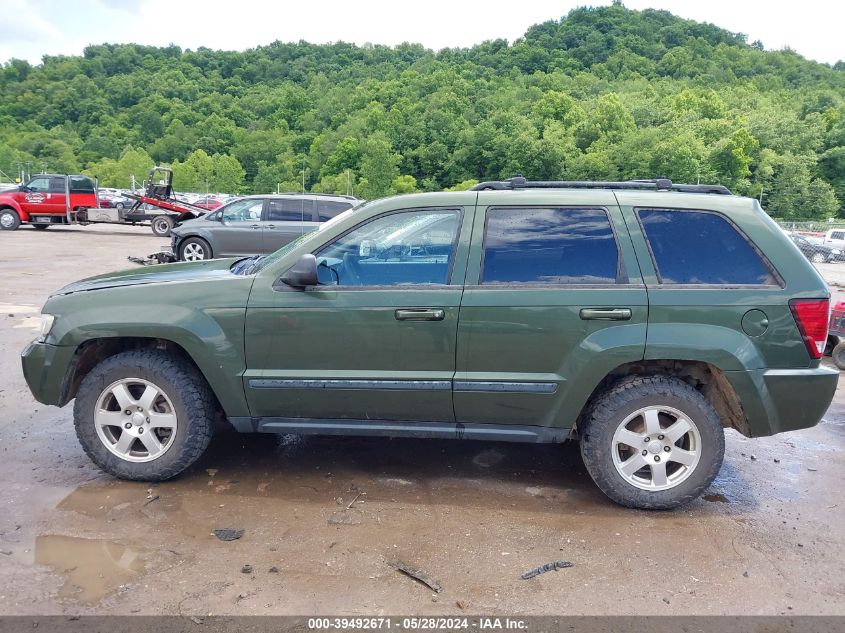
(768, 538)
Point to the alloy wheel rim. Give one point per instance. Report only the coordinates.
(656, 448)
(135, 420)
(194, 252)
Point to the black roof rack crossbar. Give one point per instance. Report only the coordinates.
(658, 184)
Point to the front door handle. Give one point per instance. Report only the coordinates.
(605, 314)
(420, 314)
(255, 226)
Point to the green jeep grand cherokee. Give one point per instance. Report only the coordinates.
(641, 318)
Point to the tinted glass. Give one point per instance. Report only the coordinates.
(81, 184)
(243, 211)
(327, 209)
(57, 185)
(550, 246)
(290, 210)
(697, 247)
(412, 247)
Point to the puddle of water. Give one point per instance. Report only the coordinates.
(93, 568)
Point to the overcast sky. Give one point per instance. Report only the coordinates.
(32, 28)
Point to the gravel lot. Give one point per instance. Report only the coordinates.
(768, 538)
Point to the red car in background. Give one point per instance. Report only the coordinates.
(208, 202)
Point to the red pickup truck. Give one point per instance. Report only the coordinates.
(46, 199)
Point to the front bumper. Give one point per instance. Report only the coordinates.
(779, 400)
(45, 369)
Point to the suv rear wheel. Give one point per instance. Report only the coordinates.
(144, 415)
(652, 442)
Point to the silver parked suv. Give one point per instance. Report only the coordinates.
(255, 225)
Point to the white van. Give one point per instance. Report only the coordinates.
(835, 238)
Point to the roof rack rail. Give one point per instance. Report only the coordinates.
(656, 184)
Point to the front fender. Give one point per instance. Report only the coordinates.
(12, 204)
(212, 337)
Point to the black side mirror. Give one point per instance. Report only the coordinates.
(303, 273)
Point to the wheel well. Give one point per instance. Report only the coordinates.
(92, 353)
(704, 377)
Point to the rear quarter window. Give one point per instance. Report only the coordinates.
(702, 248)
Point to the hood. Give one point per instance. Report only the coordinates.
(163, 273)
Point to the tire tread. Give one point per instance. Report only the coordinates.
(621, 395)
(193, 391)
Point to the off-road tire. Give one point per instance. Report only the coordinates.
(626, 397)
(161, 225)
(198, 241)
(838, 355)
(9, 219)
(193, 402)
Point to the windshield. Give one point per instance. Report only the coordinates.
(263, 262)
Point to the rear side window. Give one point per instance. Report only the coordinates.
(701, 247)
(327, 209)
(837, 235)
(290, 210)
(80, 184)
(549, 246)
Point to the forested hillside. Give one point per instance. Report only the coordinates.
(605, 93)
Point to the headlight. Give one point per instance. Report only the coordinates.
(837, 251)
(47, 321)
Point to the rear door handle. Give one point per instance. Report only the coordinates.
(271, 226)
(605, 314)
(420, 314)
(255, 226)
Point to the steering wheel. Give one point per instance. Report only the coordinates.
(352, 270)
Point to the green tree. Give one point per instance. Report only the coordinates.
(796, 194)
(732, 157)
(228, 175)
(379, 166)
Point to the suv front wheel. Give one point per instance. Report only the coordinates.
(144, 415)
(652, 442)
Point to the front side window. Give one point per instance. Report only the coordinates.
(41, 185)
(243, 211)
(405, 248)
(549, 246)
(701, 247)
(290, 210)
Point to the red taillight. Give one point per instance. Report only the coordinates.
(812, 317)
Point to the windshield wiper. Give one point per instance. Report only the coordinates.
(242, 264)
(252, 264)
